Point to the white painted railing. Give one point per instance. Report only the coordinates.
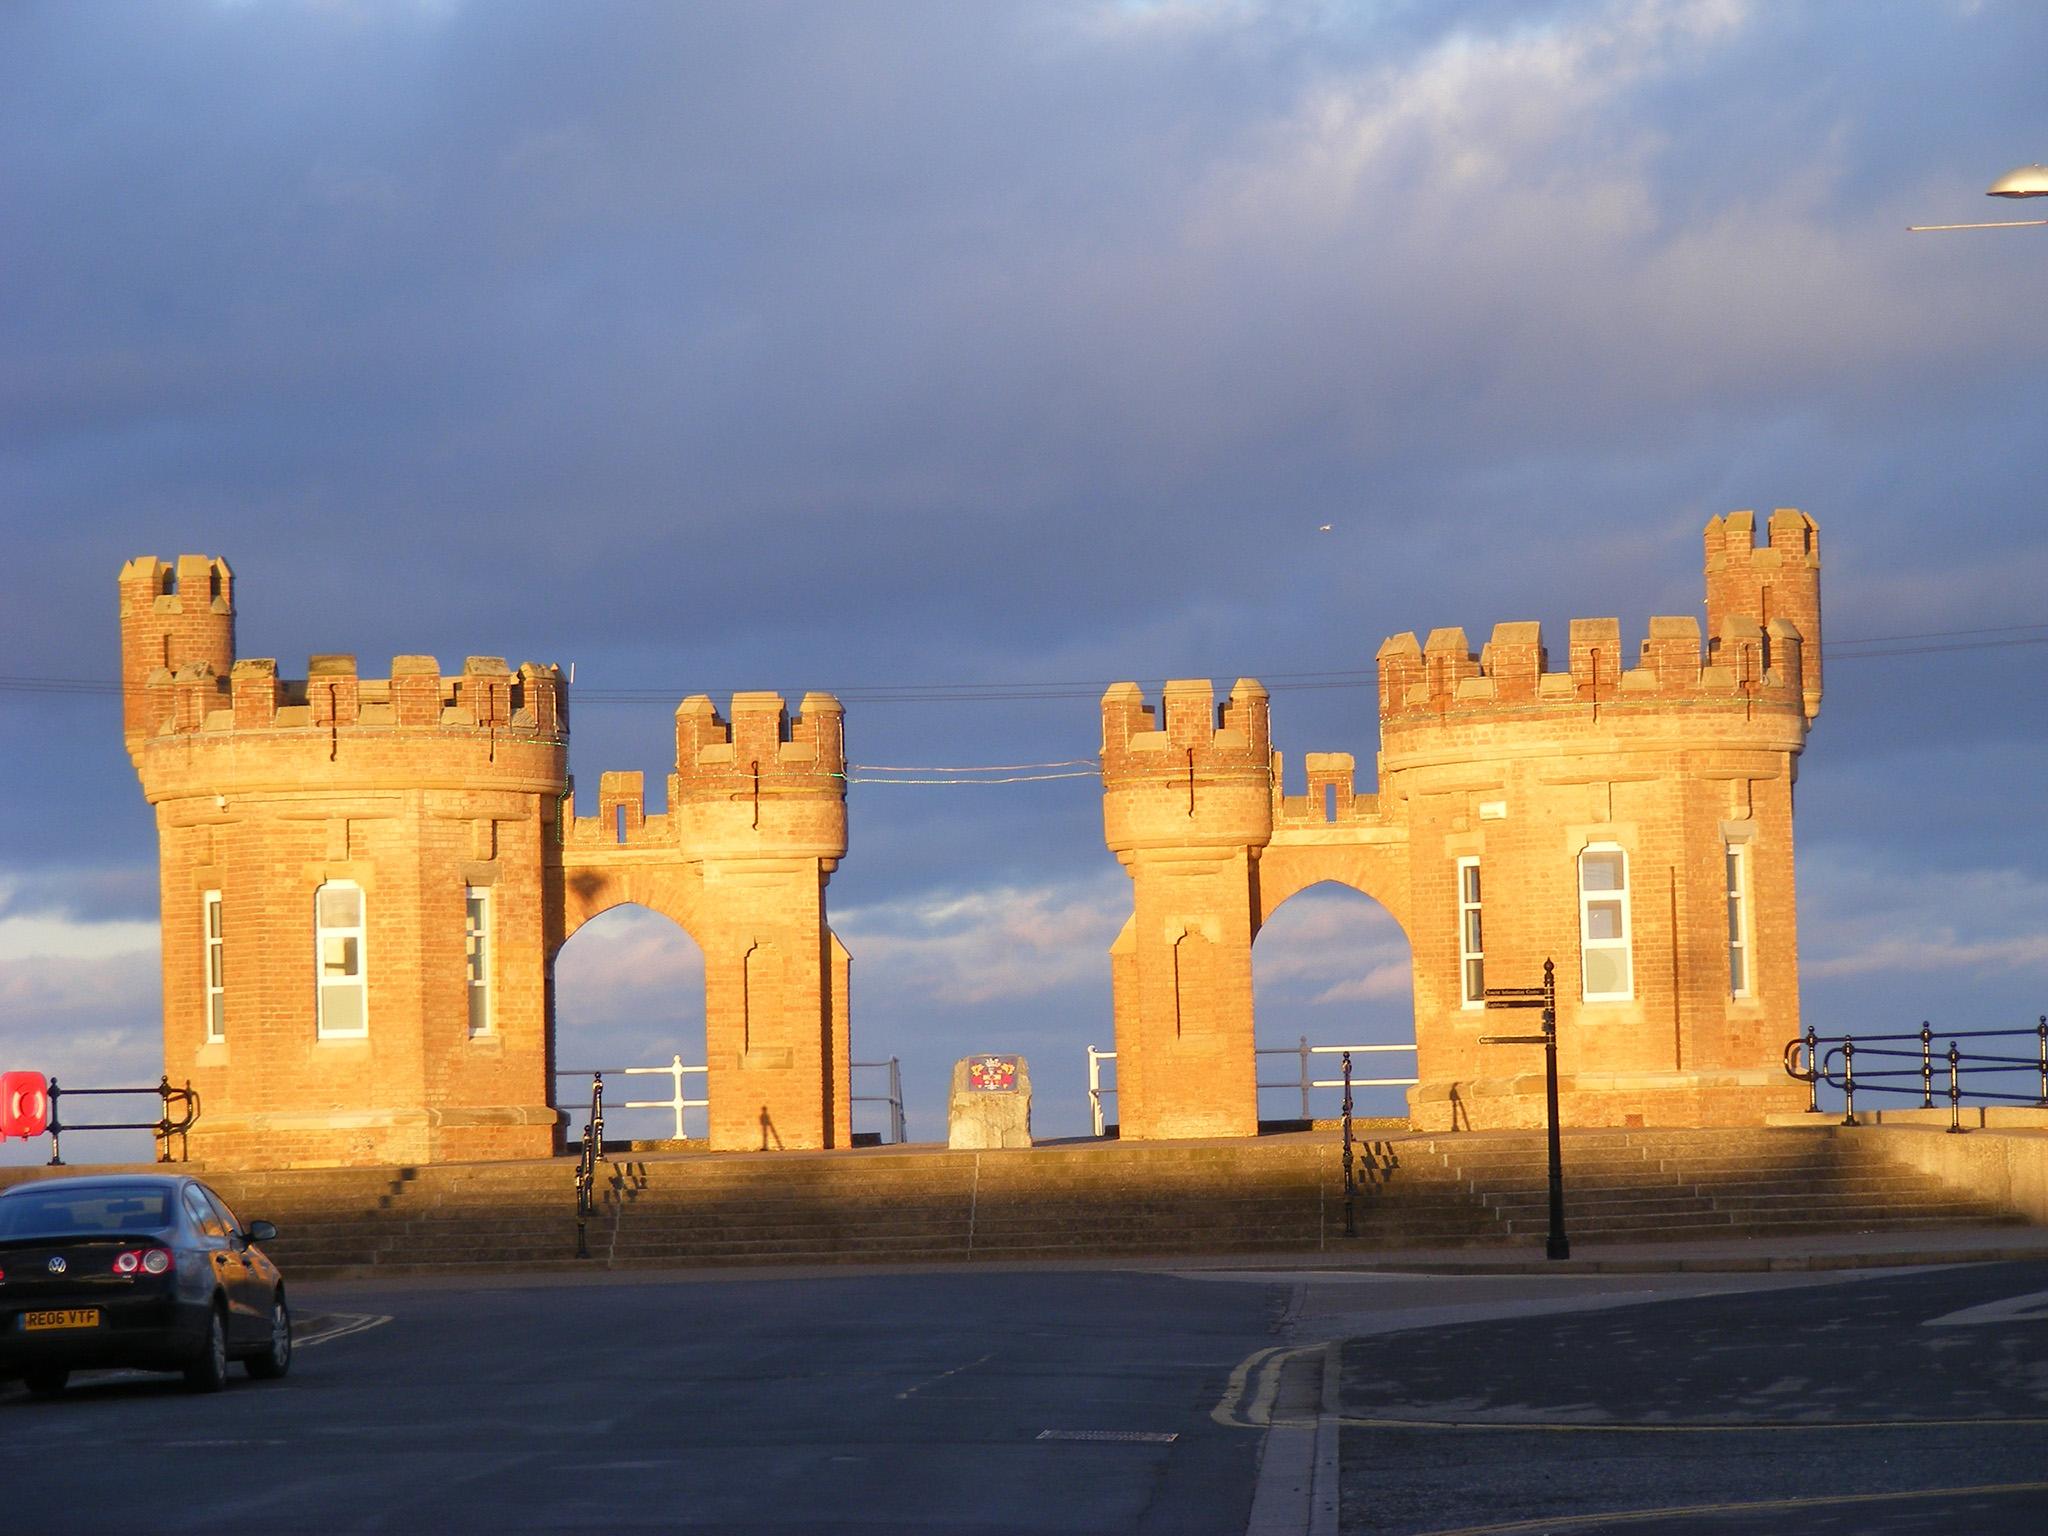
(1305, 1081)
(676, 1071)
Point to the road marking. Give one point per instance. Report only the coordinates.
(1568, 1523)
(933, 1381)
(1131, 1436)
(339, 1326)
(1247, 1401)
(2030, 1308)
(1738, 1427)
(1226, 1410)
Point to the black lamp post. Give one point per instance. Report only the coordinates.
(1558, 1246)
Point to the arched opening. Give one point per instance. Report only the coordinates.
(629, 994)
(1331, 968)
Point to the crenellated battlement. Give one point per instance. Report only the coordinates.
(761, 743)
(1744, 666)
(1232, 738)
(1764, 583)
(174, 616)
(1332, 799)
(1189, 772)
(486, 695)
(1760, 649)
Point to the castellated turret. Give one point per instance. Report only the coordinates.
(173, 617)
(1201, 775)
(1752, 587)
(1623, 812)
(365, 881)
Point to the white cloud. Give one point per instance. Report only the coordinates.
(1865, 916)
(53, 936)
(979, 946)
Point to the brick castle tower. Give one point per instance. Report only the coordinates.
(364, 882)
(1629, 818)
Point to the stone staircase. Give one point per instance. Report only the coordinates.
(878, 1205)
(1623, 1186)
(1278, 1194)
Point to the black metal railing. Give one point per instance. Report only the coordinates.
(586, 1165)
(1909, 1064)
(163, 1127)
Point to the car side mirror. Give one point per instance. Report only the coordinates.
(260, 1232)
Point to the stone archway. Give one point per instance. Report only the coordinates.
(777, 1048)
(627, 990)
(1332, 966)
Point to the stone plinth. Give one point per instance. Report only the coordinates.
(991, 1103)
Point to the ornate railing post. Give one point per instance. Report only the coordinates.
(1350, 1182)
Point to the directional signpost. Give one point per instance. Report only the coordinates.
(1558, 1245)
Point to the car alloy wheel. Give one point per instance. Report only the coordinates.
(277, 1359)
(209, 1371)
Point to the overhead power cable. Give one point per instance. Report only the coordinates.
(1865, 648)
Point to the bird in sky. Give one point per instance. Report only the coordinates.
(1325, 528)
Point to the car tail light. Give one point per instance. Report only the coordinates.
(127, 1263)
(154, 1261)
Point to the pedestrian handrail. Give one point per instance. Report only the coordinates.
(163, 1128)
(676, 1103)
(675, 1071)
(1305, 1081)
(1837, 1061)
(586, 1164)
(893, 1098)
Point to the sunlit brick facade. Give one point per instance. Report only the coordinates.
(365, 882)
(1629, 818)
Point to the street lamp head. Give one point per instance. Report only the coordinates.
(2026, 181)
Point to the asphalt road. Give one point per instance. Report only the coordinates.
(853, 1403)
(1060, 1400)
(1892, 1402)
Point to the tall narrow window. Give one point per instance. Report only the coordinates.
(216, 974)
(476, 930)
(1605, 975)
(1471, 945)
(338, 956)
(1738, 920)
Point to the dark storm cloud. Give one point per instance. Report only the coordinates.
(827, 345)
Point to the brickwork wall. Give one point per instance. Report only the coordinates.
(419, 787)
(1670, 756)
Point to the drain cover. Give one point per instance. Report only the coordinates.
(1139, 1436)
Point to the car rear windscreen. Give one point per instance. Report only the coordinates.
(36, 1213)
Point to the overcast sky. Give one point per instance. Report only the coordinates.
(859, 346)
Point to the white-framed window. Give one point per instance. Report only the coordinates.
(1606, 975)
(1471, 943)
(1739, 979)
(476, 938)
(216, 971)
(338, 960)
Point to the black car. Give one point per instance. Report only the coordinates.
(140, 1271)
